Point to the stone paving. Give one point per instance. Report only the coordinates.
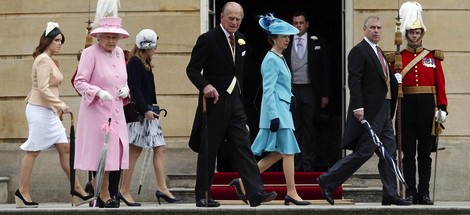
(276, 207)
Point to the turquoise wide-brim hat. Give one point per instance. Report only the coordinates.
(276, 26)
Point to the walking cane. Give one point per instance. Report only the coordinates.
(436, 130)
(206, 148)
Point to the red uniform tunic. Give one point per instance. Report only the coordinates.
(417, 119)
(427, 72)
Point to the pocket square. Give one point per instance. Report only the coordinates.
(317, 47)
(243, 53)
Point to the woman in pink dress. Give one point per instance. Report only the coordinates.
(102, 81)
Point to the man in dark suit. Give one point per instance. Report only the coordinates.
(221, 62)
(373, 92)
(308, 59)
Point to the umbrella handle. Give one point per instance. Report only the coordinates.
(71, 116)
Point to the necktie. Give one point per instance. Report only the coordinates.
(381, 59)
(300, 48)
(384, 68)
(231, 39)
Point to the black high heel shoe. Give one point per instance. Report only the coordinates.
(119, 197)
(84, 199)
(160, 194)
(289, 199)
(22, 203)
(236, 183)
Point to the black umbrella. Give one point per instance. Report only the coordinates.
(72, 154)
(385, 154)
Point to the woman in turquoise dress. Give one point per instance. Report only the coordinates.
(276, 134)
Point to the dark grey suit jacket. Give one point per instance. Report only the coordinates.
(367, 89)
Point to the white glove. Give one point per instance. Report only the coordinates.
(124, 92)
(104, 95)
(440, 116)
(398, 77)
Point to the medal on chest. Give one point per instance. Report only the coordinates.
(429, 62)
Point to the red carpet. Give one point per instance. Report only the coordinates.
(306, 183)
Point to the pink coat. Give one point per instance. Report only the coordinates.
(97, 71)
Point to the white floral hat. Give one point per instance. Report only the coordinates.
(146, 39)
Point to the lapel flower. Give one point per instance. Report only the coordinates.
(241, 42)
(314, 38)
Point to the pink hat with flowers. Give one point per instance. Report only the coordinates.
(109, 25)
(107, 20)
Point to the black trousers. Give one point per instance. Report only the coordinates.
(365, 148)
(307, 106)
(227, 119)
(417, 119)
(114, 181)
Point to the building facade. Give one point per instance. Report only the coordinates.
(178, 24)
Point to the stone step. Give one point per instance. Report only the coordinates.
(181, 180)
(238, 208)
(362, 194)
(4, 189)
(361, 187)
(364, 180)
(186, 194)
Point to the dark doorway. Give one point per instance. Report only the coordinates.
(325, 20)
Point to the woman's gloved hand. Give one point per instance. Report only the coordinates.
(274, 125)
(124, 92)
(104, 95)
(293, 103)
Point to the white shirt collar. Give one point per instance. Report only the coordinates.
(304, 37)
(373, 45)
(225, 32)
(295, 41)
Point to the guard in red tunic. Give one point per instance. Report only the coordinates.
(424, 105)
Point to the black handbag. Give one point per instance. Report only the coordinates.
(131, 113)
